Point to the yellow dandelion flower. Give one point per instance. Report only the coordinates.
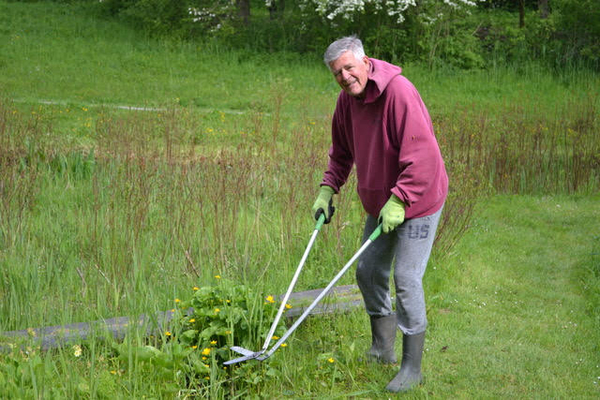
(217, 276)
(270, 299)
(284, 345)
(172, 310)
(196, 288)
(288, 306)
(275, 337)
(194, 347)
(177, 300)
(113, 372)
(331, 360)
(206, 351)
(167, 333)
(204, 358)
(217, 310)
(213, 342)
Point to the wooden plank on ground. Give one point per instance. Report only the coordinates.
(339, 299)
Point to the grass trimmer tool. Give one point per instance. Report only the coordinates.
(263, 354)
(249, 354)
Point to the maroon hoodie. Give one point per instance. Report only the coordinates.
(389, 136)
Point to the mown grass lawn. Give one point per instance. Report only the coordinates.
(525, 318)
(513, 312)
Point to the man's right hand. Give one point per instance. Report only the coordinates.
(324, 204)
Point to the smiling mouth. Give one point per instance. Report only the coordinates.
(355, 92)
(349, 84)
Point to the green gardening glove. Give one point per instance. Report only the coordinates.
(392, 214)
(324, 204)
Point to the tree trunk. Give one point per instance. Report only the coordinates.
(243, 7)
(276, 9)
(521, 13)
(543, 9)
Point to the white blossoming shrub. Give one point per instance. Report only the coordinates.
(351, 9)
(398, 30)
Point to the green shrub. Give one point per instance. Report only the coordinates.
(192, 352)
(578, 30)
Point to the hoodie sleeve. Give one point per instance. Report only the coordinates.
(341, 158)
(419, 158)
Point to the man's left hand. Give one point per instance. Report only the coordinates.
(392, 214)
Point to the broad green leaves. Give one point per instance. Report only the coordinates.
(204, 328)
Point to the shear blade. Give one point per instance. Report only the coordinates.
(242, 350)
(240, 359)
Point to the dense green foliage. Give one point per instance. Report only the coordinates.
(563, 32)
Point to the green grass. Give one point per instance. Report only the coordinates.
(107, 212)
(64, 62)
(528, 311)
(511, 312)
(101, 62)
(63, 54)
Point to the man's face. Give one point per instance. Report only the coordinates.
(351, 73)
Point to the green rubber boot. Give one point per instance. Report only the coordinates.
(410, 368)
(383, 330)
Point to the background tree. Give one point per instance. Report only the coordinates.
(521, 13)
(543, 8)
(243, 7)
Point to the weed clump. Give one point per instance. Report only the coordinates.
(190, 354)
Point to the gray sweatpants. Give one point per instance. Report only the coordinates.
(408, 247)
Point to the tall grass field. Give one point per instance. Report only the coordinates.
(140, 175)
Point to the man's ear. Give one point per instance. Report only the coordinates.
(365, 59)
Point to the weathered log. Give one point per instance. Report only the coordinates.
(341, 298)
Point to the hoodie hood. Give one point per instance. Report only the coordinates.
(380, 75)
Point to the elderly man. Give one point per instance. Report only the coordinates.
(382, 126)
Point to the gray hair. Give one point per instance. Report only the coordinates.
(340, 46)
